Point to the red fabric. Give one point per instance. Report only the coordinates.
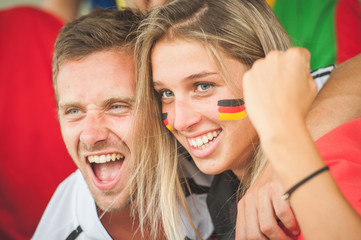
(33, 156)
(341, 151)
(348, 29)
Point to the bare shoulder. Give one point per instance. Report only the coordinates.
(338, 101)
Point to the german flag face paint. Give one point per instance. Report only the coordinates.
(231, 109)
(165, 121)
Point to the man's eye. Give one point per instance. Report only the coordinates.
(117, 106)
(73, 111)
(203, 86)
(166, 94)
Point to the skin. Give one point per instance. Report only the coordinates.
(95, 96)
(343, 91)
(260, 209)
(190, 94)
(289, 145)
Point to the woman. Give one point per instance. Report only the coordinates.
(194, 54)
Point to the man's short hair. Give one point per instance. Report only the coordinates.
(102, 29)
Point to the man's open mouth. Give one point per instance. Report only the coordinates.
(106, 167)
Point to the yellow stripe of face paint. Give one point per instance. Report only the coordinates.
(169, 128)
(232, 116)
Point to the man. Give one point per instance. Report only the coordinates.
(94, 77)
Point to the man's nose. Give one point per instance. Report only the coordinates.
(94, 129)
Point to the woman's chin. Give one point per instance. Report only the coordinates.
(209, 166)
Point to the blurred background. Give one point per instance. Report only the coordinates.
(85, 4)
(7, 3)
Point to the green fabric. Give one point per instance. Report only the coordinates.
(310, 24)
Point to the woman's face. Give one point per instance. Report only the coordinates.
(190, 85)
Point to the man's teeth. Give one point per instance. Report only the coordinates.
(105, 158)
(203, 141)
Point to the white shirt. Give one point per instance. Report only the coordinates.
(72, 205)
(321, 75)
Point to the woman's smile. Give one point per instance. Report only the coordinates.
(204, 145)
(204, 140)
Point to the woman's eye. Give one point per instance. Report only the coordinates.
(166, 94)
(203, 86)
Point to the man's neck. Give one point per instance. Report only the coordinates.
(120, 224)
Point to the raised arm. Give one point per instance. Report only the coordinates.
(278, 93)
(343, 89)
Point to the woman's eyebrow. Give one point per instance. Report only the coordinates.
(201, 75)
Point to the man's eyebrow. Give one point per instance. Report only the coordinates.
(66, 105)
(126, 99)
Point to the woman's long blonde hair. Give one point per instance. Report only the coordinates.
(243, 29)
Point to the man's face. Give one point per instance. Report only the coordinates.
(95, 97)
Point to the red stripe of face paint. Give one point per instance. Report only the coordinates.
(165, 121)
(231, 109)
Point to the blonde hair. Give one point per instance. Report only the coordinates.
(243, 30)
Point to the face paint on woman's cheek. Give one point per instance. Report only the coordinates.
(231, 109)
(165, 121)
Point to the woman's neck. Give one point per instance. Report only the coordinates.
(245, 166)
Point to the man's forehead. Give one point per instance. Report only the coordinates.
(99, 76)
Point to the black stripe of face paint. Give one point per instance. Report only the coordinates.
(230, 102)
(164, 116)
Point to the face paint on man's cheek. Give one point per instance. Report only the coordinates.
(165, 121)
(231, 109)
